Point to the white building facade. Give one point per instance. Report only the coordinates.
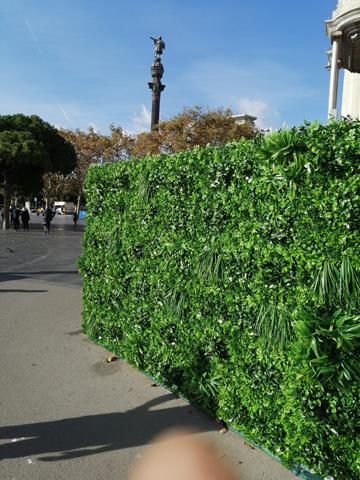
(344, 32)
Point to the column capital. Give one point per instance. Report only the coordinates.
(336, 35)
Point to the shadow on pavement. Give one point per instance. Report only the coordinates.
(6, 277)
(70, 276)
(41, 272)
(93, 434)
(21, 290)
(74, 333)
(54, 228)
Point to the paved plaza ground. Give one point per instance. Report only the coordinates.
(65, 413)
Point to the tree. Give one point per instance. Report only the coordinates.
(93, 147)
(121, 144)
(29, 147)
(54, 185)
(194, 126)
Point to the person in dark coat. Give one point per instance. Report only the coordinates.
(75, 218)
(16, 218)
(25, 218)
(48, 216)
(11, 213)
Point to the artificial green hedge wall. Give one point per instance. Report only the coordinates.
(231, 274)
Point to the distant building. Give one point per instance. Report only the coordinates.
(343, 29)
(245, 119)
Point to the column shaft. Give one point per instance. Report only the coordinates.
(155, 112)
(334, 78)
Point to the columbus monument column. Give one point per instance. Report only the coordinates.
(157, 71)
(344, 32)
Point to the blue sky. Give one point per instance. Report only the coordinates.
(77, 63)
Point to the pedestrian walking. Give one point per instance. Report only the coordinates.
(48, 216)
(11, 212)
(25, 218)
(75, 218)
(16, 218)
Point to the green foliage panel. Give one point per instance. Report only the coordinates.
(231, 274)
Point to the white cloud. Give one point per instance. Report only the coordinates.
(142, 120)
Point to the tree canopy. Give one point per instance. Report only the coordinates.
(92, 147)
(29, 147)
(195, 126)
(29, 140)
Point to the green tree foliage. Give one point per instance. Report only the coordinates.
(232, 274)
(91, 148)
(28, 148)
